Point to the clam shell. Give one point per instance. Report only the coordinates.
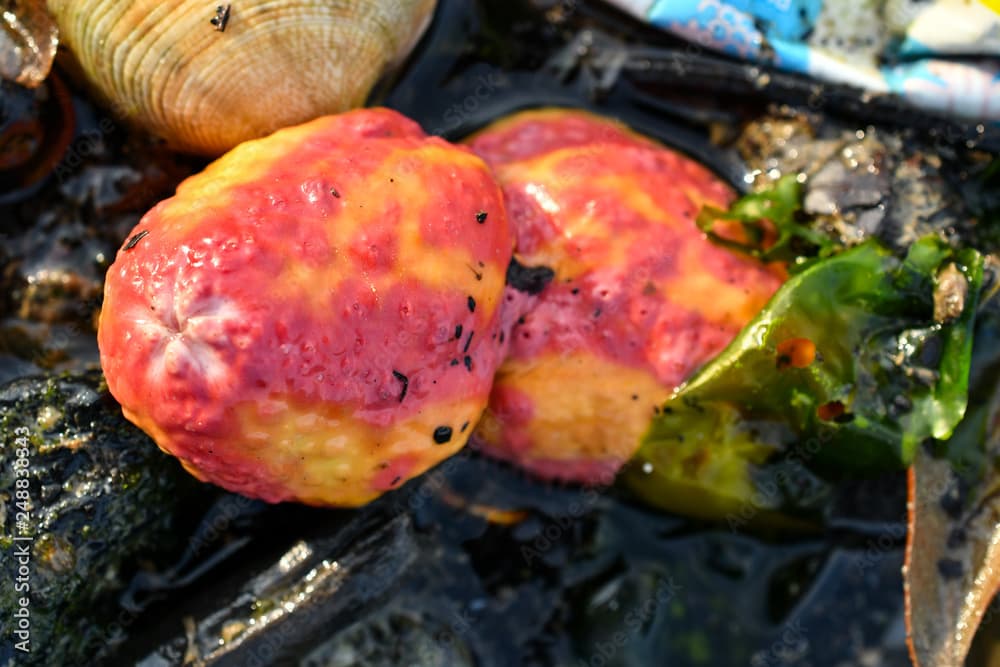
(168, 67)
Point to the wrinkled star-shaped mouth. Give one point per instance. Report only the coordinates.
(192, 336)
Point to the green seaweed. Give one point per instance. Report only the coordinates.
(854, 362)
(774, 211)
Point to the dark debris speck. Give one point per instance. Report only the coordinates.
(405, 382)
(529, 279)
(950, 569)
(138, 236)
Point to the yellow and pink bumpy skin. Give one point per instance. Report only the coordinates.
(640, 297)
(314, 317)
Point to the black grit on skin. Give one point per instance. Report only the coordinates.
(405, 381)
(134, 241)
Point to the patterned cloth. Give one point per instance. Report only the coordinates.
(941, 55)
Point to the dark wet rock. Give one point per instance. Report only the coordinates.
(390, 584)
(62, 246)
(96, 496)
(475, 564)
(36, 126)
(390, 637)
(65, 213)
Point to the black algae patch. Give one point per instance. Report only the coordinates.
(528, 279)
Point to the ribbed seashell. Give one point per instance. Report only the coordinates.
(206, 77)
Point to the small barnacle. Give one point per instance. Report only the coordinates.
(950, 294)
(221, 18)
(481, 217)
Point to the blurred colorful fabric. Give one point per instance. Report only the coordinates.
(941, 55)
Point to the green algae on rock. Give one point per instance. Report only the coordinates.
(96, 495)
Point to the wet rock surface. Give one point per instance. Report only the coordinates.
(437, 575)
(98, 498)
(82, 182)
(860, 182)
